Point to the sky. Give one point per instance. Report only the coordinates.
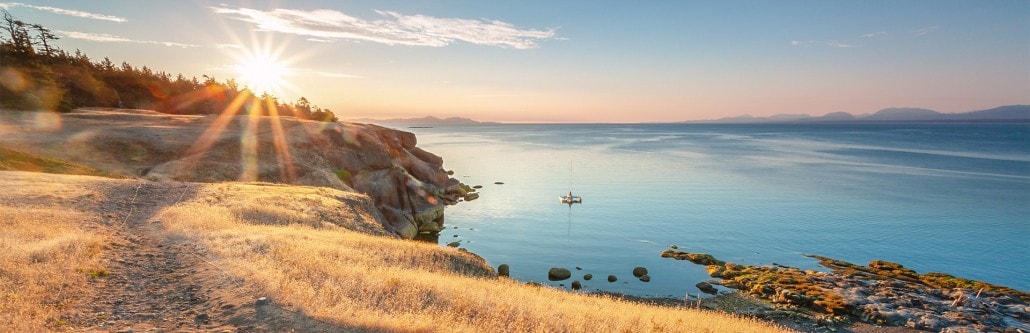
(573, 61)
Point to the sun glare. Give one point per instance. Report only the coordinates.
(261, 73)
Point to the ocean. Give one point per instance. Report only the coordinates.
(951, 198)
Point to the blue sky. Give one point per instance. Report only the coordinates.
(582, 61)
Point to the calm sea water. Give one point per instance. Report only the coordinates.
(944, 198)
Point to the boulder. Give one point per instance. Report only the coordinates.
(588, 276)
(427, 157)
(399, 223)
(645, 278)
(382, 185)
(407, 139)
(430, 219)
(503, 270)
(471, 196)
(420, 169)
(576, 285)
(612, 278)
(430, 227)
(558, 274)
(639, 271)
(707, 288)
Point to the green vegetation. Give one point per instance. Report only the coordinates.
(343, 175)
(19, 161)
(37, 75)
(95, 273)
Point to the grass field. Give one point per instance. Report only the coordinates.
(365, 281)
(48, 253)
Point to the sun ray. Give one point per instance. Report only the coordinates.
(261, 70)
(213, 131)
(286, 169)
(249, 168)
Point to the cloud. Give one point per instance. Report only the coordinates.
(874, 34)
(831, 43)
(339, 75)
(390, 28)
(107, 38)
(837, 44)
(925, 31)
(62, 11)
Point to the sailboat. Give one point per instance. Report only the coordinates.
(570, 199)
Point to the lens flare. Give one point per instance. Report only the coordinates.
(261, 72)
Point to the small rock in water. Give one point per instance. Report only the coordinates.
(707, 288)
(588, 277)
(576, 285)
(645, 278)
(578, 268)
(639, 271)
(499, 183)
(612, 278)
(673, 246)
(454, 244)
(558, 274)
(478, 186)
(455, 235)
(503, 270)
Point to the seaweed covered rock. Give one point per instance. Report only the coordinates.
(697, 258)
(881, 293)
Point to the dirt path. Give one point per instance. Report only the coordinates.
(159, 283)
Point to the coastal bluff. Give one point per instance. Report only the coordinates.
(406, 185)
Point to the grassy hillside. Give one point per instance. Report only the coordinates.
(52, 245)
(11, 159)
(359, 280)
(316, 252)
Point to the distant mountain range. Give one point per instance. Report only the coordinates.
(420, 121)
(1002, 114)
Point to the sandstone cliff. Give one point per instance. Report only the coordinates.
(407, 185)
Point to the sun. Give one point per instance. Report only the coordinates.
(261, 72)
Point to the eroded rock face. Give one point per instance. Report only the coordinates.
(407, 183)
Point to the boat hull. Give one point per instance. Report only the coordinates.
(570, 200)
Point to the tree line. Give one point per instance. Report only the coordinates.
(35, 74)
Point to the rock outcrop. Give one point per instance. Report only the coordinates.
(407, 185)
(882, 293)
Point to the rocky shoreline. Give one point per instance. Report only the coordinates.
(881, 293)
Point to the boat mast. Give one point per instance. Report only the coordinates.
(570, 178)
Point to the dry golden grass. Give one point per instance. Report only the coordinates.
(298, 256)
(47, 256)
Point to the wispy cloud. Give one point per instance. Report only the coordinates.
(62, 11)
(874, 34)
(925, 31)
(390, 28)
(107, 38)
(339, 75)
(831, 43)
